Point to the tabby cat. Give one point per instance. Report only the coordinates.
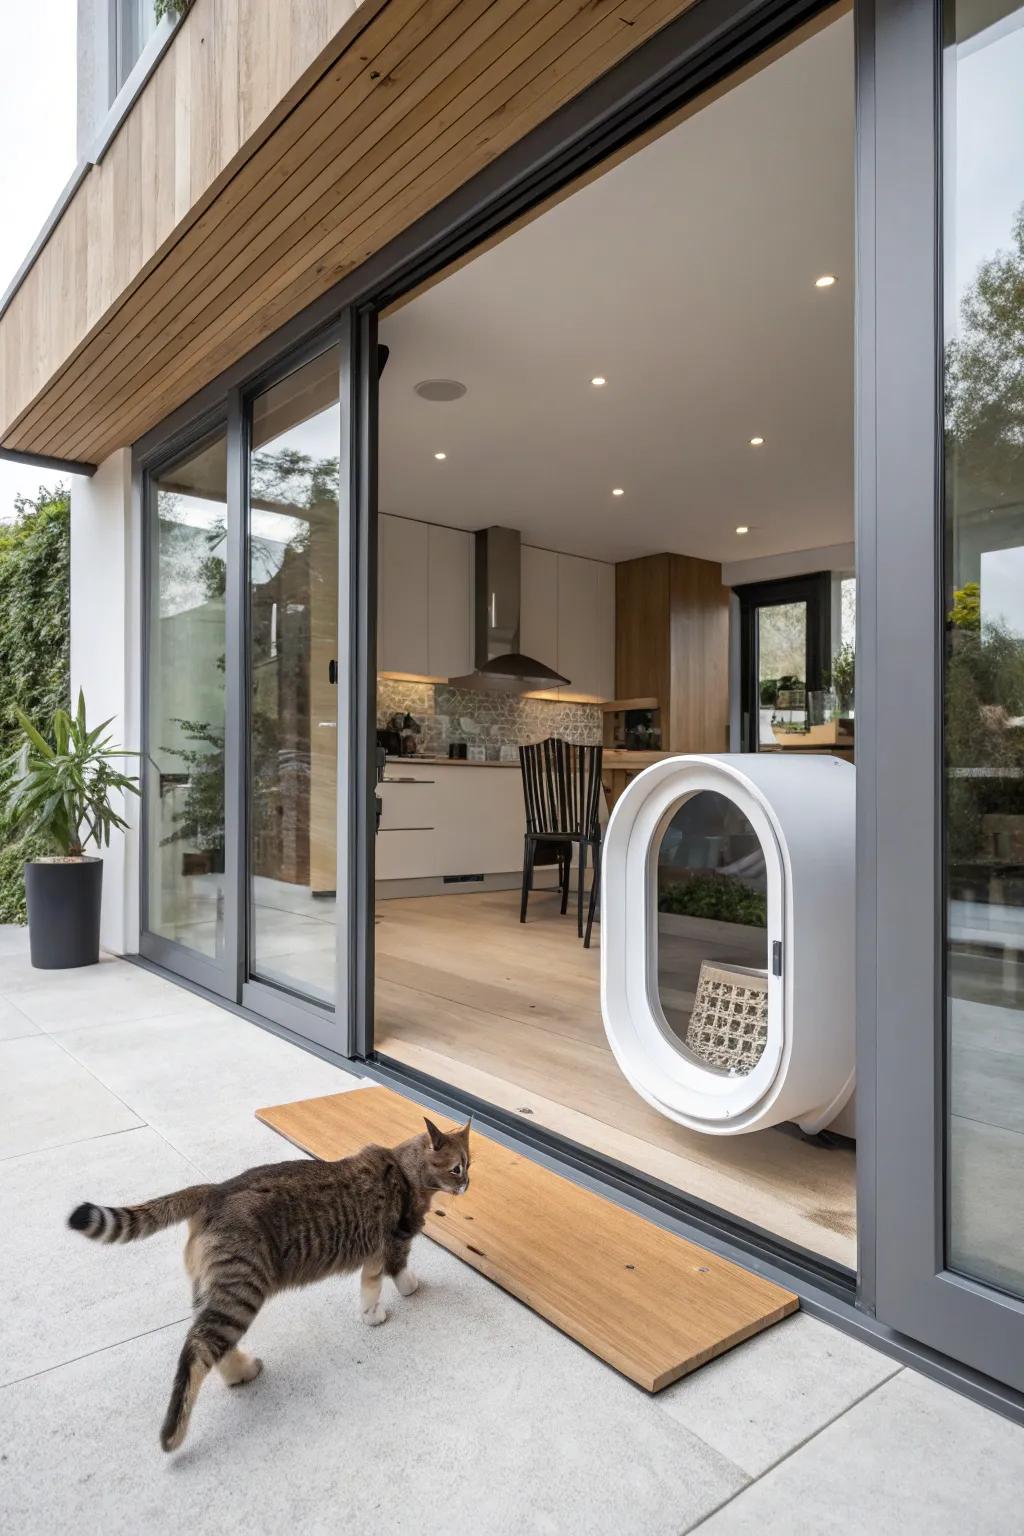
(284, 1225)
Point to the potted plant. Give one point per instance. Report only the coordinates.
(60, 790)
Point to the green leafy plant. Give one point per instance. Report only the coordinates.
(844, 667)
(771, 687)
(60, 790)
(162, 8)
(719, 897)
(201, 818)
(966, 610)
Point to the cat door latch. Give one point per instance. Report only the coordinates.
(776, 957)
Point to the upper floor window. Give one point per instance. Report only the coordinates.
(134, 21)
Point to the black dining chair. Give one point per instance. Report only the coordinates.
(562, 791)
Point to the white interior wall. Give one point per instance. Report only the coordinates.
(106, 649)
(799, 562)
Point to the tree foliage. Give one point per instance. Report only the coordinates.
(984, 380)
(984, 705)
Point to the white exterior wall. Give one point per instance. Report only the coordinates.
(106, 655)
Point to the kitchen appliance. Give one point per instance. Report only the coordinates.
(500, 665)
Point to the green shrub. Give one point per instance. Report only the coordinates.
(35, 556)
(720, 897)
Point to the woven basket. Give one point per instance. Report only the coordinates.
(728, 1027)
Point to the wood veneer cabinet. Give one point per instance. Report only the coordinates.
(672, 644)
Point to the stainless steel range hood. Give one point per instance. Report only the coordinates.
(500, 665)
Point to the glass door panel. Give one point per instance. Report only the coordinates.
(293, 693)
(984, 660)
(781, 672)
(184, 768)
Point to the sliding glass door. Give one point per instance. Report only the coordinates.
(293, 521)
(186, 893)
(248, 676)
(942, 820)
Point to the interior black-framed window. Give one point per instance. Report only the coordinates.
(785, 639)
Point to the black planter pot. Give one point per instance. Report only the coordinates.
(64, 912)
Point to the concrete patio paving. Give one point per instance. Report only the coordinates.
(465, 1411)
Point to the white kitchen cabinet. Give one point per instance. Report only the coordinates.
(449, 602)
(402, 630)
(538, 604)
(406, 854)
(425, 599)
(586, 627)
(449, 820)
(480, 821)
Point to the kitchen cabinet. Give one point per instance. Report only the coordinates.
(402, 595)
(425, 608)
(538, 604)
(567, 619)
(447, 820)
(425, 599)
(449, 602)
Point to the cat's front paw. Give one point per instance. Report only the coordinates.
(406, 1283)
(375, 1315)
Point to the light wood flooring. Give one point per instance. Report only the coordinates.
(651, 1305)
(512, 1013)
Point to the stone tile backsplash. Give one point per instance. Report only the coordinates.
(447, 714)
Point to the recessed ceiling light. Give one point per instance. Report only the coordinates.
(742, 528)
(755, 442)
(440, 455)
(618, 491)
(599, 382)
(826, 280)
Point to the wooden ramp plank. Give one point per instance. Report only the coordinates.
(649, 1303)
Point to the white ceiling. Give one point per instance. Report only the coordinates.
(685, 275)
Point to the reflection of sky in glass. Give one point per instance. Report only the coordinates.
(989, 128)
(1002, 589)
(271, 531)
(319, 436)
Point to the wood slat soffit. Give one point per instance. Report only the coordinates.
(279, 144)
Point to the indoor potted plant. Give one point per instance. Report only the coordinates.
(60, 790)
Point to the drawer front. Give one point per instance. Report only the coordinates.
(408, 806)
(402, 855)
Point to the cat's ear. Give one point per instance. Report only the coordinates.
(437, 1138)
(464, 1130)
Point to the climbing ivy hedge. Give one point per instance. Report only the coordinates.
(162, 8)
(34, 644)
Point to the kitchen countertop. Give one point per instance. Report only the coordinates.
(624, 757)
(614, 757)
(446, 762)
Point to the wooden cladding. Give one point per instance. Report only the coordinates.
(672, 643)
(181, 269)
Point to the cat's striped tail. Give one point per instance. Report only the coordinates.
(127, 1223)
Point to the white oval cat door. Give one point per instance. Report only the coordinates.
(727, 939)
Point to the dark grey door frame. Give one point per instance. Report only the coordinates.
(901, 1087)
(816, 591)
(225, 406)
(899, 1094)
